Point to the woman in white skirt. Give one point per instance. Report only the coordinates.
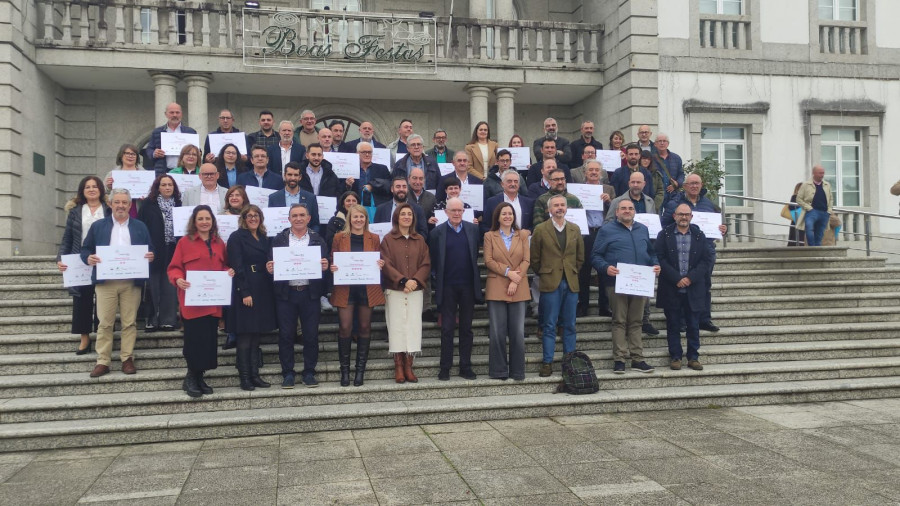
(407, 266)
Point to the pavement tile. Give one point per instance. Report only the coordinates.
(241, 442)
(756, 464)
(542, 436)
(79, 453)
(192, 447)
(854, 436)
(585, 419)
(680, 471)
(479, 459)
(205, 481)
(611, 431)
(397, 445)
(158, 463)
(567, 453)
(316, 437)
(51, 482)
(623, 496)
(467, 440)
(346, 492)
(292, 474)
(232, 457)
(596, 473)
(387, 432)
(817, 488)
(714, 444)
(17, 458)
(783, 440)
(8, 470)
(683, 414)
(836, 460)
(670, 429)
(245, 497)
(647, 448)
(889, 453)
(567, 499)
(442, 428)
(522, 423)
(775, 408)
(421, 489)
(512, 482)
(732, 491)
(801, 420)
(420, 464)
(136, 485)
(326, 450)
(162, 500)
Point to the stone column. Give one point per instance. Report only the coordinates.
(198, 116)
(478, 103)
(506, 117)
(164, 94)
(504, 9)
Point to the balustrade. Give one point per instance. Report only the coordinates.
(842, 38)
(725, 32)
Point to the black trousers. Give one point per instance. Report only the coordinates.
(458, 300)
(584, 275)
(84, 314)
(200, 347)
(299, 304)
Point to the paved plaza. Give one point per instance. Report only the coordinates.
(827, 453)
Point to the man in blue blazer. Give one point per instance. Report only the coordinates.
(292, 194)
(366, 134)
(457, 285)
(260, 176)
(287, 144)
(523, 206)
(122, 295)
(154, 156)
(400, 191)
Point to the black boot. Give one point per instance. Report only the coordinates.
(230, 341)
(259, 359)
(254, 361)
(243, 367)
(206, 389)
(190, 384)
(344, 359)
(362, 355)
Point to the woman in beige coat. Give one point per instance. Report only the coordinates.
(507, 257)
(481, 150)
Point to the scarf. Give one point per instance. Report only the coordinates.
(166, 205)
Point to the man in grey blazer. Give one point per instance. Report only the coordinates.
(209, 192)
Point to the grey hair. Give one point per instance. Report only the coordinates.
(662, 134)
(438, 131)
(558, 196)
(509, 172)
(119, 191)
(587, 121)
(360, 145)
(283, 122)
(593, 160)
(307, 111)
(413, 137)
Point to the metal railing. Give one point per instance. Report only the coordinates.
(856, 226)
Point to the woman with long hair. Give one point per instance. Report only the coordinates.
(338, 222)
(617, 141)
(156, 212)
(516, 141)
(229, 165)
(188, 160)
(355, 300)
(407, 266)
(88, 206)
(201, 249)
(253, 298)
(481, 150)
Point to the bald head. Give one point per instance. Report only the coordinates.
(173, 114)
(636, 184)
(818, 173)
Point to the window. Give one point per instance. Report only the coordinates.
(841, 10)
(336, 5)
(728, 146)
(722, 7)
(145, 25)
(841, 150)
(351, 126)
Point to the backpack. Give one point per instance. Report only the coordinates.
(578, 375)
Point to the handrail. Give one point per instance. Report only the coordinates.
(838, 209)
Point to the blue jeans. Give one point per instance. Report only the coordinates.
(558, 305)
(815, 222)
(692, 322)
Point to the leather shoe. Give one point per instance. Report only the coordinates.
(468, 374)
(546, 370)
(695, 365)
(649, 329)
(128, 366)
(99, 370)
(675, 365)
(709, 326)
(444, 375)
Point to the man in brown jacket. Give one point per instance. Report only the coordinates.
(557, 252)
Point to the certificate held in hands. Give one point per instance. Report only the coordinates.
(77, 272)
(360, 268)
(208, 288)
(300, 262)
(137, 182)
(635, 280)
(122, 262)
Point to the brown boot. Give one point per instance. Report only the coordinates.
(407, 369)
(399, 376)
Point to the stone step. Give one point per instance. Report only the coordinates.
(27, 262)
(799, 263)
(810, 289)
(245, 422)
(848, 275)
(40, 307)
(738, 250)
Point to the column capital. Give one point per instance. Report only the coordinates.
(161, 78)
(506, 91)
(478, 90)
(199, 79)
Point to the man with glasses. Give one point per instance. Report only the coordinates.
(492, 183)
(644, 143)
(375, 178)
(366, 134)
(154, 154)
(209, 192)
(669, 164)
(307, 133)
(557, 187)
(417, 159)
(440, 152)
(260, 176)
(226, 126)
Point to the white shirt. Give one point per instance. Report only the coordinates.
(559, 228)
(172, 160)
(484, 152)
(517, 206)
(285, 155)
(120, 235)
(294, 242)
(210, 198)
(88, 218)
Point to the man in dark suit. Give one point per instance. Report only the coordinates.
(122, 295)
(366, 134)
(154, 156)
(287, 150)
(298, 298)
(561, 151)
(460, 172)
(457, 285)
(294, 194)
(226, 126)
(542, 186)
(419, 195)
(318, 178)
(374, 178)
(416, 158)
(536, 169)
(523, 206)
(261, 176)
(400, 192)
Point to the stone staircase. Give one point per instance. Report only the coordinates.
(798, 325)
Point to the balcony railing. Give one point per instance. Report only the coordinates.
(189, 26)
(725, 32)
(843, 37)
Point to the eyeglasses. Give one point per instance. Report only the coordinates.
(364, 152)
(208, 174)
(685, 215)
(252, 216)
(558, 179)
(226, 117)
(129, 153)
(416, 145)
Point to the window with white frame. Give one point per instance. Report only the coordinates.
(841, 10)
(842, 160)
(728, 146)
(145, 25)
(722, 7)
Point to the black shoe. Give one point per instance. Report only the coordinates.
(190, 385)
(430, 315)
(619, 368)
(230, 341)
(148, 328)
(310, 380)
(468, 374)
(649, 329)
(242, 361)
(444, 375)
(166, 328)
(709, 326)
(641, 366)
(206, 389)
(288, 381)
(581, 311)
(254, 370)
(83, 351)
(604, 311)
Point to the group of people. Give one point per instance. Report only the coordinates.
(429, 260)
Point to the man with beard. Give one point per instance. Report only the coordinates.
(400, 192)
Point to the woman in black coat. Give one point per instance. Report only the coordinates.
(156, 213)
(88, 206)
(253, 299)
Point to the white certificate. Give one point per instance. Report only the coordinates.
(610, 159)
(441, 215)
(276, 220)
(651, 221)
(708, 223)
(208, 288)
(590, 195)
(446, 168)
(299, 262)
(217, 141)
(344, 165)
(357, 268)
(227, 224)
(173, 142)
(382, 156)
(578, 217)
(327, 207)
(137, 182)
(77, 272)
(180, 218)
(380, 229)
(185, 181)
(635, 280)
(521, 157)
(473, 194)
(123, 262)
(259, 196)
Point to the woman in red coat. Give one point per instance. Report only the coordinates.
(201, 249)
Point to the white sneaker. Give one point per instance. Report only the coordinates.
(326, 306)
